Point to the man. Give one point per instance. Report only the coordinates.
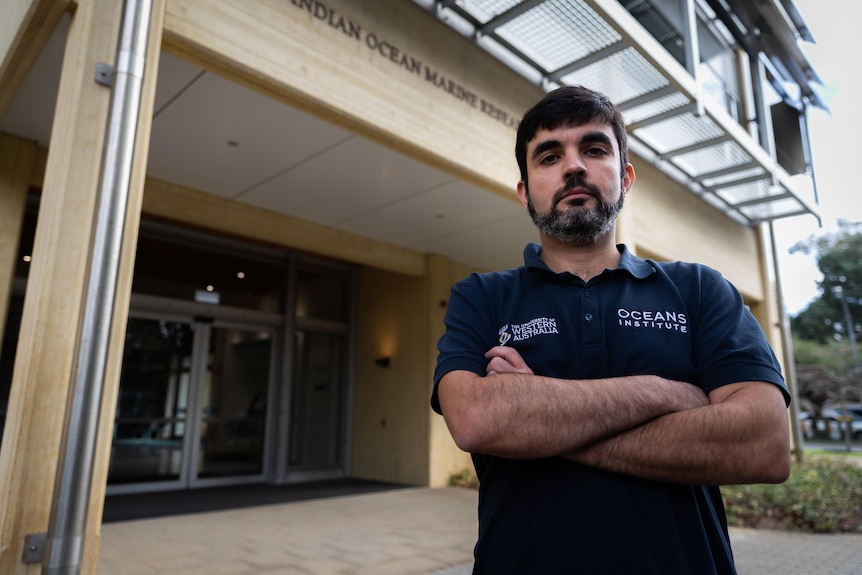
(603, 396)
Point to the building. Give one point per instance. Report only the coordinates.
(240, 274)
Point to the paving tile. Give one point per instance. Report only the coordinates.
(417, 531)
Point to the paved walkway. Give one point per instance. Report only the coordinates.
(403, 532)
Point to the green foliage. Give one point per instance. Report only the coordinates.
(466, 478)
(822, 495)
(839, 258)
(816, 322)
(824, 365)
(842, 267)
(824, 374)
(832, 355)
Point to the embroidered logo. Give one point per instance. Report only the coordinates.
(653, 319)
(534, 327)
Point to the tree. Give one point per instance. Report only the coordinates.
(816, 322)
(826, 360)
(839, 258)
(822, 374)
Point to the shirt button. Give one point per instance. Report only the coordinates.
(588, 293)
(588, 317)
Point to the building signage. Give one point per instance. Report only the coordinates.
(396, 56)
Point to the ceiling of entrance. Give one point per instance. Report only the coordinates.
(217, 137)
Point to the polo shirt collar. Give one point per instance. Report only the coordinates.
(629, 262)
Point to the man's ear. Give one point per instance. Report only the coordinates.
(628, 178)
(523, 192)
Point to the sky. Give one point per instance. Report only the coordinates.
(833, 140)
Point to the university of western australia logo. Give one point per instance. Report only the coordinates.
(505, 336)
(522, 331)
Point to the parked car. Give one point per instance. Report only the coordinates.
(831, 423)
(855, 410)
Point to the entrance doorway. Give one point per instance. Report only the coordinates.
(235, 368)
(236, 364)
(193, 403)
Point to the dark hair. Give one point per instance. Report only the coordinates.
(572, 106)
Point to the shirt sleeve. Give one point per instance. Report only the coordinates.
(468, 335)
(729, 344)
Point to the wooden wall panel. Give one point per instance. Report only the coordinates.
(52, 307)
(390, 431)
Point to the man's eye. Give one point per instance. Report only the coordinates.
(549, 159)
(596, 152)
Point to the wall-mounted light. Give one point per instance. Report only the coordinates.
(383, 361)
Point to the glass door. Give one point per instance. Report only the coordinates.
(152, 404)
(192, 405)
(233, 399)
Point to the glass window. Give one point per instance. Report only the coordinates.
(664, 20)
(317, 403)
(322, 294)
(718, 68)
(195, 269)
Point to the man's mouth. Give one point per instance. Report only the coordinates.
(575, 192)
(577, 195)
(573, 196)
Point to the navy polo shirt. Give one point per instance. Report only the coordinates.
(678, 320)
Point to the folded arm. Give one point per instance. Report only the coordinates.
(513, 413)
(644, 426)
(743, 436)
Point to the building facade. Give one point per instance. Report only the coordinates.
(305, 180)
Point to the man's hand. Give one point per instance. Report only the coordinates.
(505, 360)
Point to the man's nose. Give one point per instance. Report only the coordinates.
(574, 166)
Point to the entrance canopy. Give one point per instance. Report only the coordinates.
(624, 49)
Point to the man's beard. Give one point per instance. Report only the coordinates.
(576, 225)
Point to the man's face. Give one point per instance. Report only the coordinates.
(575, 189)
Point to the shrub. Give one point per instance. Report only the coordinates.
(822, 495)
(466, 478)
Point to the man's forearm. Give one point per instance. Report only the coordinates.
(744, 438)
(519, 415)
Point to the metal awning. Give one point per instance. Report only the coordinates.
(599, 44)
